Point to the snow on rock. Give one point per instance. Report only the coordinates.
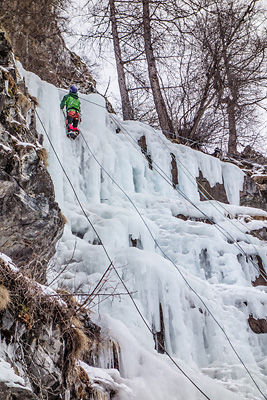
(13, 386)
(107, 380)
(8, 376)
(190, 279)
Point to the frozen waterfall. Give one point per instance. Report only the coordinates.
(159, 257)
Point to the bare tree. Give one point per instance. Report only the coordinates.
(194, 68)
(127, 111)
(234, 52)
(164, 119)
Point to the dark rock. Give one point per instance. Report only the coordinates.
(16, 393)
(37, 42)
(30, 219)
(257, 325)
(260, 233)
(135, 242)
(204, 220)
(43, 333)
(143, 145)
(5, 49)
(159, 336)
(251, 196)
(217, 153)
(204, 262)
(261, 280)
(183, 217)
(174, 170)
(251, 155)
(216, 192)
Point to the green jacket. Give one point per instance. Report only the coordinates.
(72, 102)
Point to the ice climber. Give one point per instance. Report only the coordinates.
(73, 108)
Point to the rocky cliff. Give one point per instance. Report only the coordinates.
(43, 334)
(34, 31)
(31, 221)
(37, 336)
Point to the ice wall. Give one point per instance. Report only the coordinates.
(189, 269)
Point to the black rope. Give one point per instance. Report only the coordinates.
(219, 227)
(182, 137)
(237, 245)
(166, 256)
(111, 263)
(224, 232)
(182, 275)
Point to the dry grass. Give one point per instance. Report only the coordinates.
(43, 156)
(34, 100)
(24, 103)
(32, 306)
(79, 339)
(4, 297)
(12, 86)
(64, 219)
(7, 37)
(68, 298)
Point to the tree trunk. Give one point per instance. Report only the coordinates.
(164, 120)
(232, 142)
(232, 103)
(204, 103)
(232, 100)
(127, 111)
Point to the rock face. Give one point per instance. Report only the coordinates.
(41, 348)
(7, 393)
(37, 41)
(207, 192)
(252, 195)
(5, 48)
(30, 220)
(45, 337)
(257, 325)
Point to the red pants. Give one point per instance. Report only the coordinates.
(73, 117)
(73, 114)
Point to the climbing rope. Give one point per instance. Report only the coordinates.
(112, 265)
(204, 193)
(180, 272)
(263, 275)
(167, 179)
(172, 260)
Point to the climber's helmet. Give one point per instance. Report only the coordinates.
(73, 89)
